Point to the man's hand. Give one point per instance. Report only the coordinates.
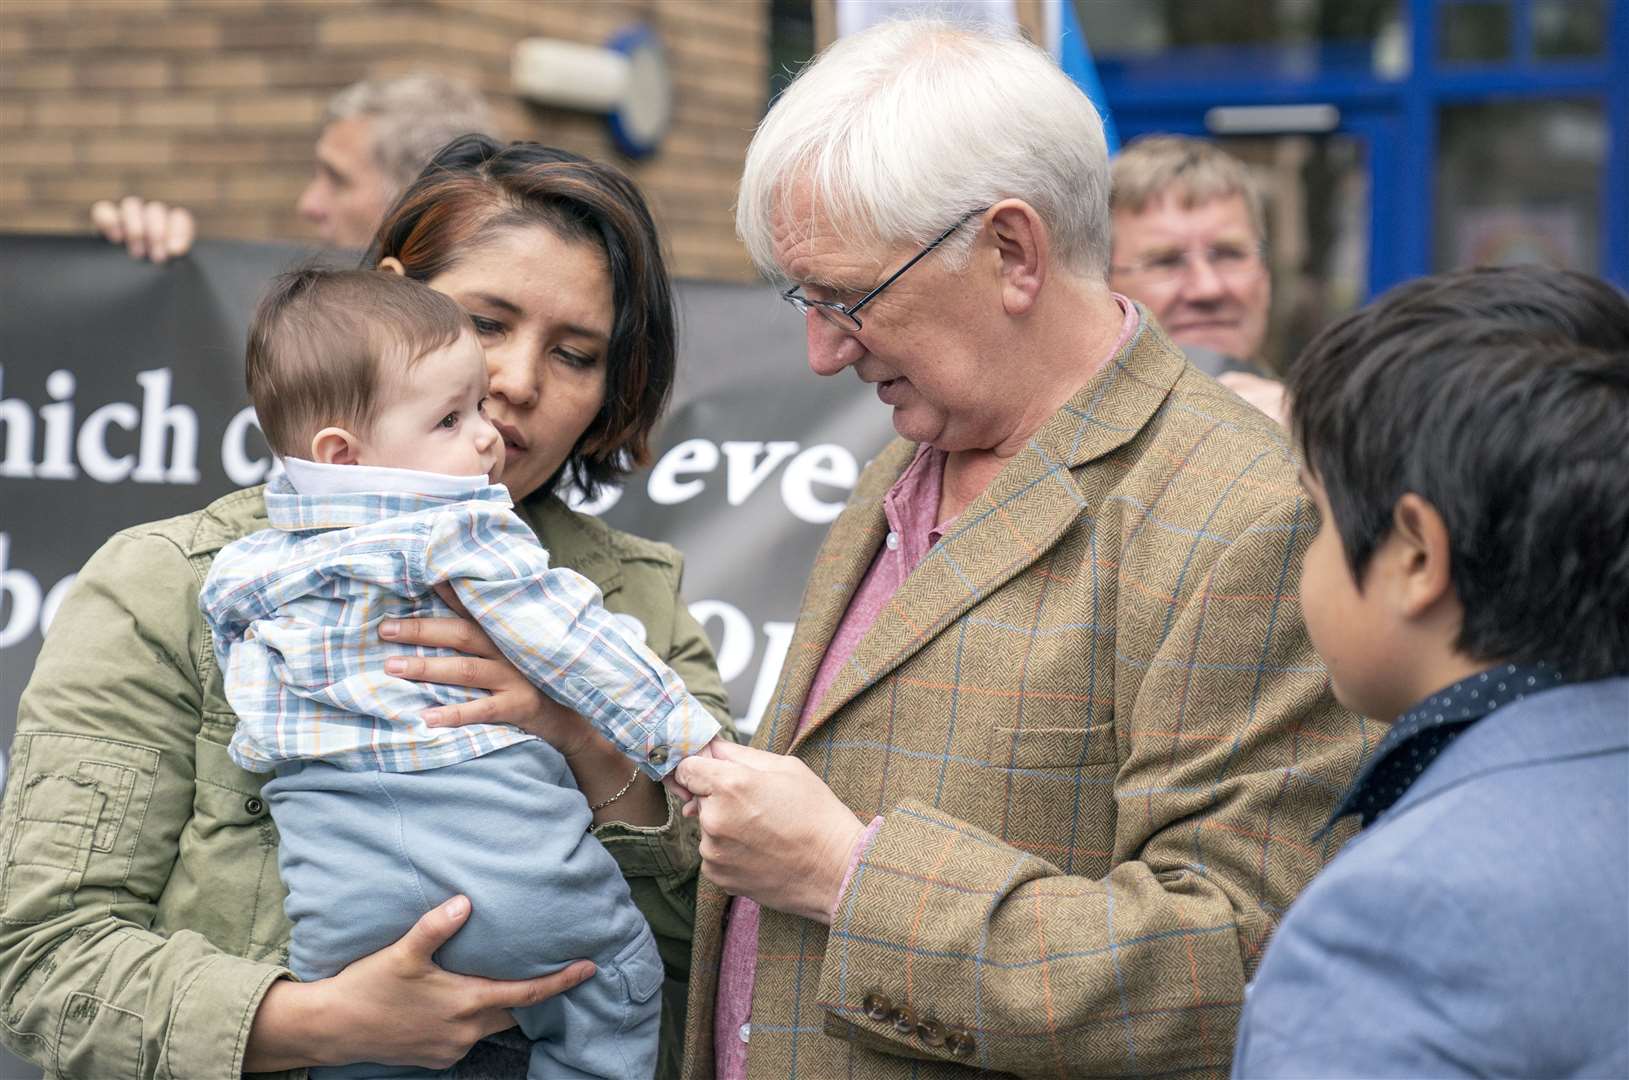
(770, 829)
(148, 230)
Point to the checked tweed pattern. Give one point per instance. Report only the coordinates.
(1099, 739)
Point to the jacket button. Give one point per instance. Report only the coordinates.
(931, 1032)
(658, 755)
(254, 806)
(904, 1019)
(877, 1007)
(959, 1041)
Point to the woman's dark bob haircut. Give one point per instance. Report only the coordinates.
(476, 186)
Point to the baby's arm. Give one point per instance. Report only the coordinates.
(550, 623)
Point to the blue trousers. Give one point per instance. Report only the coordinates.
(365, 853)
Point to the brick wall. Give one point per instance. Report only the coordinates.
(215, 104)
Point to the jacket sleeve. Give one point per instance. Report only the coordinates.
(101, 785)
(550, 623)
(692, 657)
(1385, 974)
(1228, 755)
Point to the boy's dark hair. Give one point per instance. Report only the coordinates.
(318, 342)
(1501, 396)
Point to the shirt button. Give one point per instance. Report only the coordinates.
(893, 541)
(746, 1032)
(658, 755)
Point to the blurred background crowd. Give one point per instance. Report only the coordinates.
(1387, 138)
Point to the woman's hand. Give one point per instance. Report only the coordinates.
(770, 829)
(511, 699)
(601, 770)
(395, 1006)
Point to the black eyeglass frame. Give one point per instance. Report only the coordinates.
(835, 311)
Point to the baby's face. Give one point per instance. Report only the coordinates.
(431, 418)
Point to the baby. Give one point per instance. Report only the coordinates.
(370, 388)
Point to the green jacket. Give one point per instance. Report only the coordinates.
(141, 914)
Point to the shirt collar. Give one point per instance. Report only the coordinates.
(313, 495)
(1426, 730)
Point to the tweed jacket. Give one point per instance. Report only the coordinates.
(1100, 743)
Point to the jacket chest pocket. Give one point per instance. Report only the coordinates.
(1050, 791)
(1052, 747)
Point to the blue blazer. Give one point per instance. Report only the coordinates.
(1480, 926)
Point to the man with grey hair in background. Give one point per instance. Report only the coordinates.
(1050, 750)
(377, 134)
(1190, 243)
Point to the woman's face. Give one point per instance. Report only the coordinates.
(542, 307)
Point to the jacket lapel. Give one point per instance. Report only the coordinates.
(1004, 531)
(845, 556)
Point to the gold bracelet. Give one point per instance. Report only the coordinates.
(625, 788)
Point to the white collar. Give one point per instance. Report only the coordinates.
(320, 478)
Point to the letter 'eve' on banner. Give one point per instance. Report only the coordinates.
(122, 401)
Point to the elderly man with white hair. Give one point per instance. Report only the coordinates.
(1050, 752)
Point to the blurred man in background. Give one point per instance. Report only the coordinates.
(1189, 243)
(376, 136)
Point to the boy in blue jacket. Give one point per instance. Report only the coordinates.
(1466, 441)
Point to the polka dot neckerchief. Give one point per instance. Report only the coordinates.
(1425, 731)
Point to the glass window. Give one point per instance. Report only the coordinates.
(1520, 182)
(1316, 189)
(1282, 37)
(791, 42)
(1569, 29)
(1470, 31)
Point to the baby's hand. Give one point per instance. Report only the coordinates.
(671, 780)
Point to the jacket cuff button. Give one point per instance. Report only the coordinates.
(960, 1042)
(931, 1032)
(904, 1019)
(877, 1007)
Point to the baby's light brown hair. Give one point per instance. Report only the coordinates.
(323, 341)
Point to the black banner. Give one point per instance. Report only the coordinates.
(122, 401)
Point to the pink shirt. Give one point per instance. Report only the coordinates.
(910, 507)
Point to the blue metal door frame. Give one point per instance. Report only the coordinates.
(1397, 119)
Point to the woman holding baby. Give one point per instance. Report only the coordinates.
(141, 914)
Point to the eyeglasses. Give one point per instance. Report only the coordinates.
(842, 315)
(1230, 262)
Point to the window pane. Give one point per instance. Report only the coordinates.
(1520, 182)
(1568, 29)
(1287, 38)
(1316, 189)
(1475, 31)
(791, 42)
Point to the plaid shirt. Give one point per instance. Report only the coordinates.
(295, 611)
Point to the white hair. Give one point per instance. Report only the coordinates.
(411, 117)
(899, 130)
